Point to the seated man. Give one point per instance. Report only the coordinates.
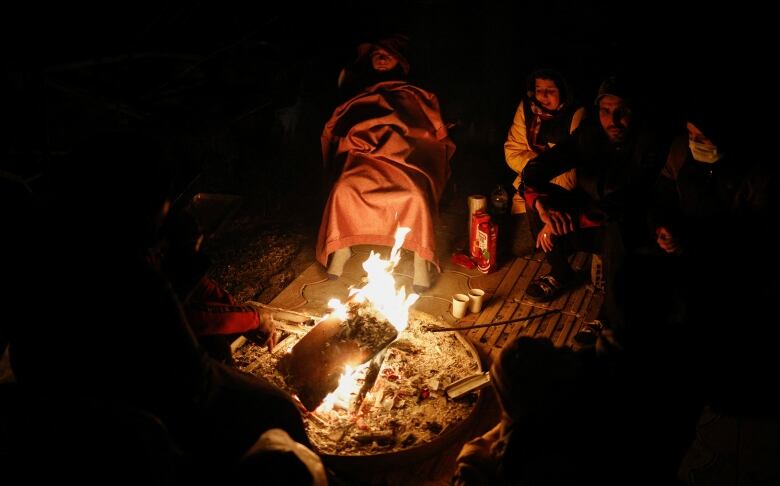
(618, 157)
(387, 151)
(211, 311)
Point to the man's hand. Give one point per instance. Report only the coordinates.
(559, 222)
(266, 330)
(544, 238)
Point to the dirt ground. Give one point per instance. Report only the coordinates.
(254, 260)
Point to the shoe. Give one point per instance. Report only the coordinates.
(337, 261)
(589, 333)
(544, 288)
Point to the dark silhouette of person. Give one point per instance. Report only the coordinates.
(214, 315)
(577, 418)
(99, 327)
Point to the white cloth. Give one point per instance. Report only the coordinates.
(277, 440)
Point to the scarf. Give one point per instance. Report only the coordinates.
(540, 115)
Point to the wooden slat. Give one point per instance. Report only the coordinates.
(494, 333)
(533, 326)
(511, 331)
(575, 308)
(531, 268)
(497, 300)
(576, 305)
(503, 314)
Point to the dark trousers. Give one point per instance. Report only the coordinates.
(606, 241)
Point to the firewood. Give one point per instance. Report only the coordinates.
(371, 376)
(381, 437)
(317, 361)
(284, 314)
(395, 402)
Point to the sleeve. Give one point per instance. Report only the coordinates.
(475, 464)
(540, 170)
(677, 155)
(647, 162)
(568, 180)
(665, 207)
(516, 149)
(212, 310)
(577, 119)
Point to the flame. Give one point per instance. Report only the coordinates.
(393, 304)
(348, 387)
(380, 290)
(340, 310)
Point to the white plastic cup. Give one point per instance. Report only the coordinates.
(475, 299)
(459, 304)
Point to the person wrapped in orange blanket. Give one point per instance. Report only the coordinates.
(387, 152)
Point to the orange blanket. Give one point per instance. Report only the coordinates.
(394, 154)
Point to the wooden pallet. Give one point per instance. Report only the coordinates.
(510, 302)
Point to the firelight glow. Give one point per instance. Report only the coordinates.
(348, 386)
(381, 291)
(393, 304)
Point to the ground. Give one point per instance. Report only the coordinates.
(255, 260)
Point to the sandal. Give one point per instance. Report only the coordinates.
(544, 288)
(589, 333)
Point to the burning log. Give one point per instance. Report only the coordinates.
(411, 396)
(381, 437)
(371, 375)
(317, 361)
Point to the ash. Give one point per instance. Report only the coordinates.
(405, 408)
(368, 328)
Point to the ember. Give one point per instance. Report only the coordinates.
(404, 408)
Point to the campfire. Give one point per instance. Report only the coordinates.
(369, 374)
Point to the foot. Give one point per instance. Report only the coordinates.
(337, 260)
(589, 333)
(422, 279)
(544, 288)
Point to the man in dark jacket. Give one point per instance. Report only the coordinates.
(617, 161)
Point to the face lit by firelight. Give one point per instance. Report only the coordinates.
(547, 93)
(382, 60)
(615, 117)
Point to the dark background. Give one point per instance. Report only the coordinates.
(240, 91)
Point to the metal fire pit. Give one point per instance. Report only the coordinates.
(406, 416)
